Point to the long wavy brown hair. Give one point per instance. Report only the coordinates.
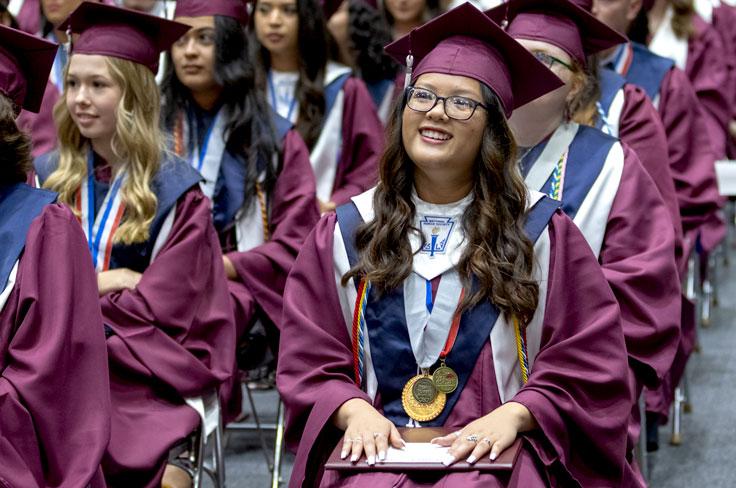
(497, 263)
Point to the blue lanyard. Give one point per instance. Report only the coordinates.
(274, 104)
(429, 301)
(203, 149)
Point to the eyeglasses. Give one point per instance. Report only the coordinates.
(549, 60)
(458, 108)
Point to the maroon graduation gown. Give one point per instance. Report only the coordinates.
(582, 349)
(41, 127)
(173, 339)
(54, 392)
(262, 271)
(642, 130)
(362, 143)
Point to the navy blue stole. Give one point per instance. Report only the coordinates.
(19, 205)
(647, 70)
(586, 157)
(229, 192)
(174, 178)
(379, 89)
(610, 83)
(392, 357)
(331, 92)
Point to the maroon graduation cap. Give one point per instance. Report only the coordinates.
(121, 33)
(25, 63)
(237, 9)
(559, 22)
(463, 41)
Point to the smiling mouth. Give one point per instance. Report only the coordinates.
(435, 135)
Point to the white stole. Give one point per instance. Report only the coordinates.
(5, 293)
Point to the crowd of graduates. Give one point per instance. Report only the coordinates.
(405, 214)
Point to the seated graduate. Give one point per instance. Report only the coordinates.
(255, 165)
(160, 276)
(54, 392)
(602, 186)
(440, 270)
(331, 108)
(358, 33)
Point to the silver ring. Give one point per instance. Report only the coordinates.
(456, 433)
(378, 434)
(472, 438)
(486, 440)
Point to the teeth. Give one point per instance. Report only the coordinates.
(433, 134)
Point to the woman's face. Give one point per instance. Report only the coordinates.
(532, 122)
(277, 26)
(193, 54)
(92, 96)
(56, 11)
(338, 24)
(406, 11)
(436, 143)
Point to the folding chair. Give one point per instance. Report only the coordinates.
(209, 433)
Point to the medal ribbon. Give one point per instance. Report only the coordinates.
(100, 229)
(454, 328)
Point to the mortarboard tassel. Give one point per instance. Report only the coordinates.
(409, 66)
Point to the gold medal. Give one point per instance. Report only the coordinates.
(419, 410)
(445, 379)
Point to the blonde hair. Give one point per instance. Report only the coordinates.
(137, 141)
(682, 18)
(582, 107)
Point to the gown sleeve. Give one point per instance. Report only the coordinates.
(262, 271)
(362, 145)
(54, 390)
(178, 319)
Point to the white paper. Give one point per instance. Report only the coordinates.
(416, 452)
(726, 176)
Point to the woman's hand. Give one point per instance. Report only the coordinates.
(230, 271)
(325, 207)
(493, 433)
(366, 430)
(117, 279)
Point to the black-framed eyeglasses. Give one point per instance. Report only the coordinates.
(548, 60)
(455, 107)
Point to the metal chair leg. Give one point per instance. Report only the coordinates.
(687, 407)
(642, 457)
(259, 429)
(196, 457)
(218, 460)
(278, 449)
(676, 438)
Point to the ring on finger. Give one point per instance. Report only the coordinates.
(378, 434)
(456, 433)
(486, 440)
(472, 438)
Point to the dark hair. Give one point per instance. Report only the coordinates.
(15, 146)
(498, 259)
(312, 41)
(639, 28)
(682, 22)
(368, 33)
(249, 127)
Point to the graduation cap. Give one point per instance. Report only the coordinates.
(25, 63)
(121, 33)
(237, 9)
(465, 42)
(560, 22)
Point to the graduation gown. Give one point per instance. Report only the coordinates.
(690, 153)
(345, 156)
(54, 392)
(262, 264)
(567, 335)
(628, 114)
(701, 57)
(172, 337)
(615, 204)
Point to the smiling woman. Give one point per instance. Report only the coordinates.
(444, 268)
